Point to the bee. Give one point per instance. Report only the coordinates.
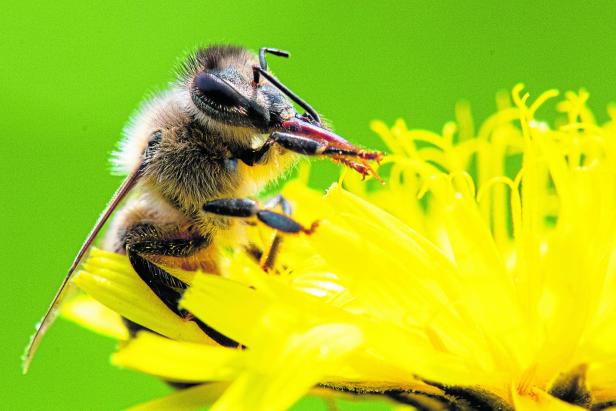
(194, 157)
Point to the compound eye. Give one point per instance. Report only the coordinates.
(217, 90)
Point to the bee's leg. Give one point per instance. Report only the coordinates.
(279, 201)
(238, 207)
(149, 240)
(146, 240)
(299, 144)
(253, 156)
(292, 142)
(233, 207)
(308, 146)
(268, 258)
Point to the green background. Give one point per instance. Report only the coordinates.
(71, 74)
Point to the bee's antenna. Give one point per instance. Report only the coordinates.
(288, 93)
(262, 70)
(263, 61)
(275, 52)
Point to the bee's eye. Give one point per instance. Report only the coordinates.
(217, 90)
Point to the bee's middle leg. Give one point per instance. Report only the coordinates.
(281, 222)
(147, 240)
(241, 207)
(268, 258)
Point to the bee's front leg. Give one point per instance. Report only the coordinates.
(308, 146)
(254, 156)
(298, 144)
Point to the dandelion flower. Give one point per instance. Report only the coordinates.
(480, 276)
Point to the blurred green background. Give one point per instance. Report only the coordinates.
(72, 73)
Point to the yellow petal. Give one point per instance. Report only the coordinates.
(225, 305)
(541, 401)
(299, 363)
(179, 361)
(193, 398)
(91, 314)
(112, 282)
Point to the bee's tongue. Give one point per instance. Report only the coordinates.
(300, 127)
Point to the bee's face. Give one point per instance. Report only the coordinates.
(221, 86)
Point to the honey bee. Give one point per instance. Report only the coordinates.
(194, 157)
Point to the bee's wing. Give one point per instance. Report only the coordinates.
(52, 311)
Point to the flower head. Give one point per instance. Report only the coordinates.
(483, 272)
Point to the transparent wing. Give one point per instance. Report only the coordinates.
(52, 311)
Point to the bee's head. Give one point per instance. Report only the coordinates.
(219, 80)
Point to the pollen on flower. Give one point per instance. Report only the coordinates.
(481, 275)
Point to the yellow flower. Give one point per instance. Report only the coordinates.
(481, 274)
